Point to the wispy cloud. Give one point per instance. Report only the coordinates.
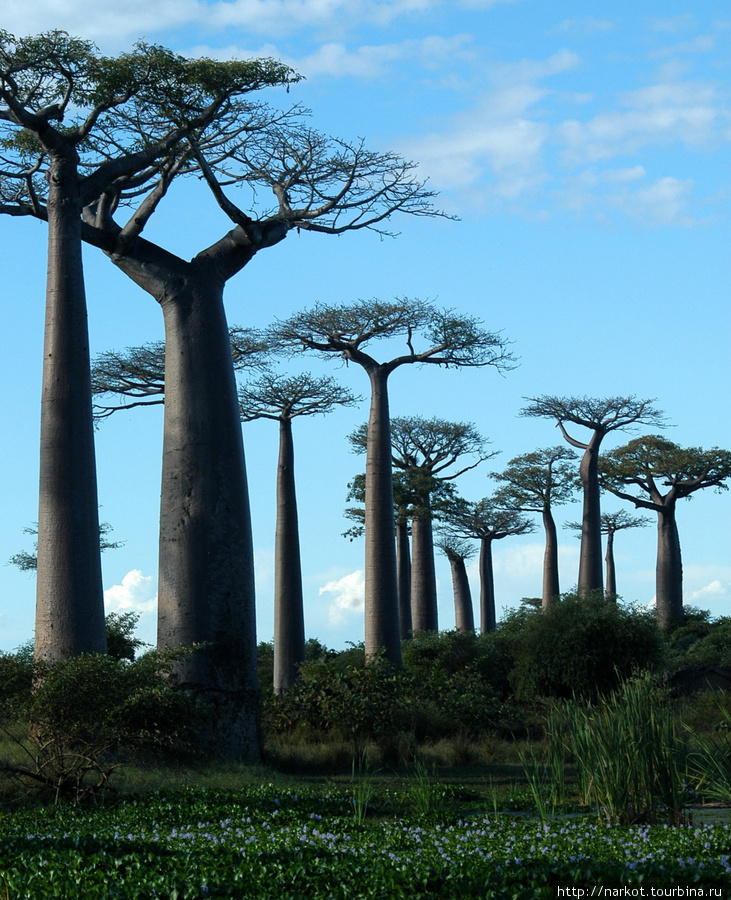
(347, 596)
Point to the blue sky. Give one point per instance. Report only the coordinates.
(585, 149)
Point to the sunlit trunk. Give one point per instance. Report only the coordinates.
(550, 562)
(423, 576)
(464, 619)
(611, 572)
(206, 578)
(669, 570)
(403, 570)
(488, 619)
(69, 604)
(381, 585)
(289, 622)
(590, 560)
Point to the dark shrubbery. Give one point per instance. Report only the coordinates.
(579, 647)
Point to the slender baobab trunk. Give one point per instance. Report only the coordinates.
(611, 571)
(206, 586)
(289, 621)
(488, 619)
(423, 576)
(70, 603)
(551, 588)
(669, 570)
(403, 571)
(464, 619)
(590, 561)
(381, 583)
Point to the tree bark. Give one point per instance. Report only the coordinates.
(551, 588)
(69, 599)
(590, 560)
(206, 575)
(669, 570)
(289, 622)
(423, 576)
(611, 571)
(381, 584)
(464, 619)
(488, 619)
(403, 571)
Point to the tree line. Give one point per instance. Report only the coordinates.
(90, 145)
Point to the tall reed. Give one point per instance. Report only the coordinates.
(628, 756)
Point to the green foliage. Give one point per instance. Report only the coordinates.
(699, 640)
(85, 711)
(121, 640)
(628, 756)
(579, 646)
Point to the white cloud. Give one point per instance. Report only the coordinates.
(665, 202)
(586, 25)
(136, 593)
(715, 590)
(348, 596)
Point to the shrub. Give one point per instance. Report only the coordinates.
(83, 712)
(580, 646)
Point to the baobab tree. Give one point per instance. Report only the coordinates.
(600, 417)
(487, 521)
(611, 523)
(342, 332)
(537, 482)
(458, 551)
(282, 399)
(428, 449)
(136, 376)
(317, 184)
(654, 473)
(73, 126)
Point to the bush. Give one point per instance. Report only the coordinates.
(579, 646)
(83, 712)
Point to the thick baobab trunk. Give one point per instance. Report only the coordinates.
(488, 619)
(423, 576)
(551, 588)
(381, 584)
(611, 571)
(590, 560)
(289, 621)
(403, 572)
(70, 602)
(206, 586)
(464, 618)
(669, 570)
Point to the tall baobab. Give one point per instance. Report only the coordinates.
(283, 399)
(342, 332)
(487, 521)
(600, 417)
(537, 482)
(315, 184)
(611, 524)
(457, 550)
(74, 125)
(654, 473)
(428, 450)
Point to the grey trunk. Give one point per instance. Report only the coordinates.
(590, 560)
(403, 569)
(206, 588)
(551, 588)
(289, 621)
(464, 619)
(488, 619)
(70, 601)
(423, 576)
(381, 583)
(669, 570)
(611, 572)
